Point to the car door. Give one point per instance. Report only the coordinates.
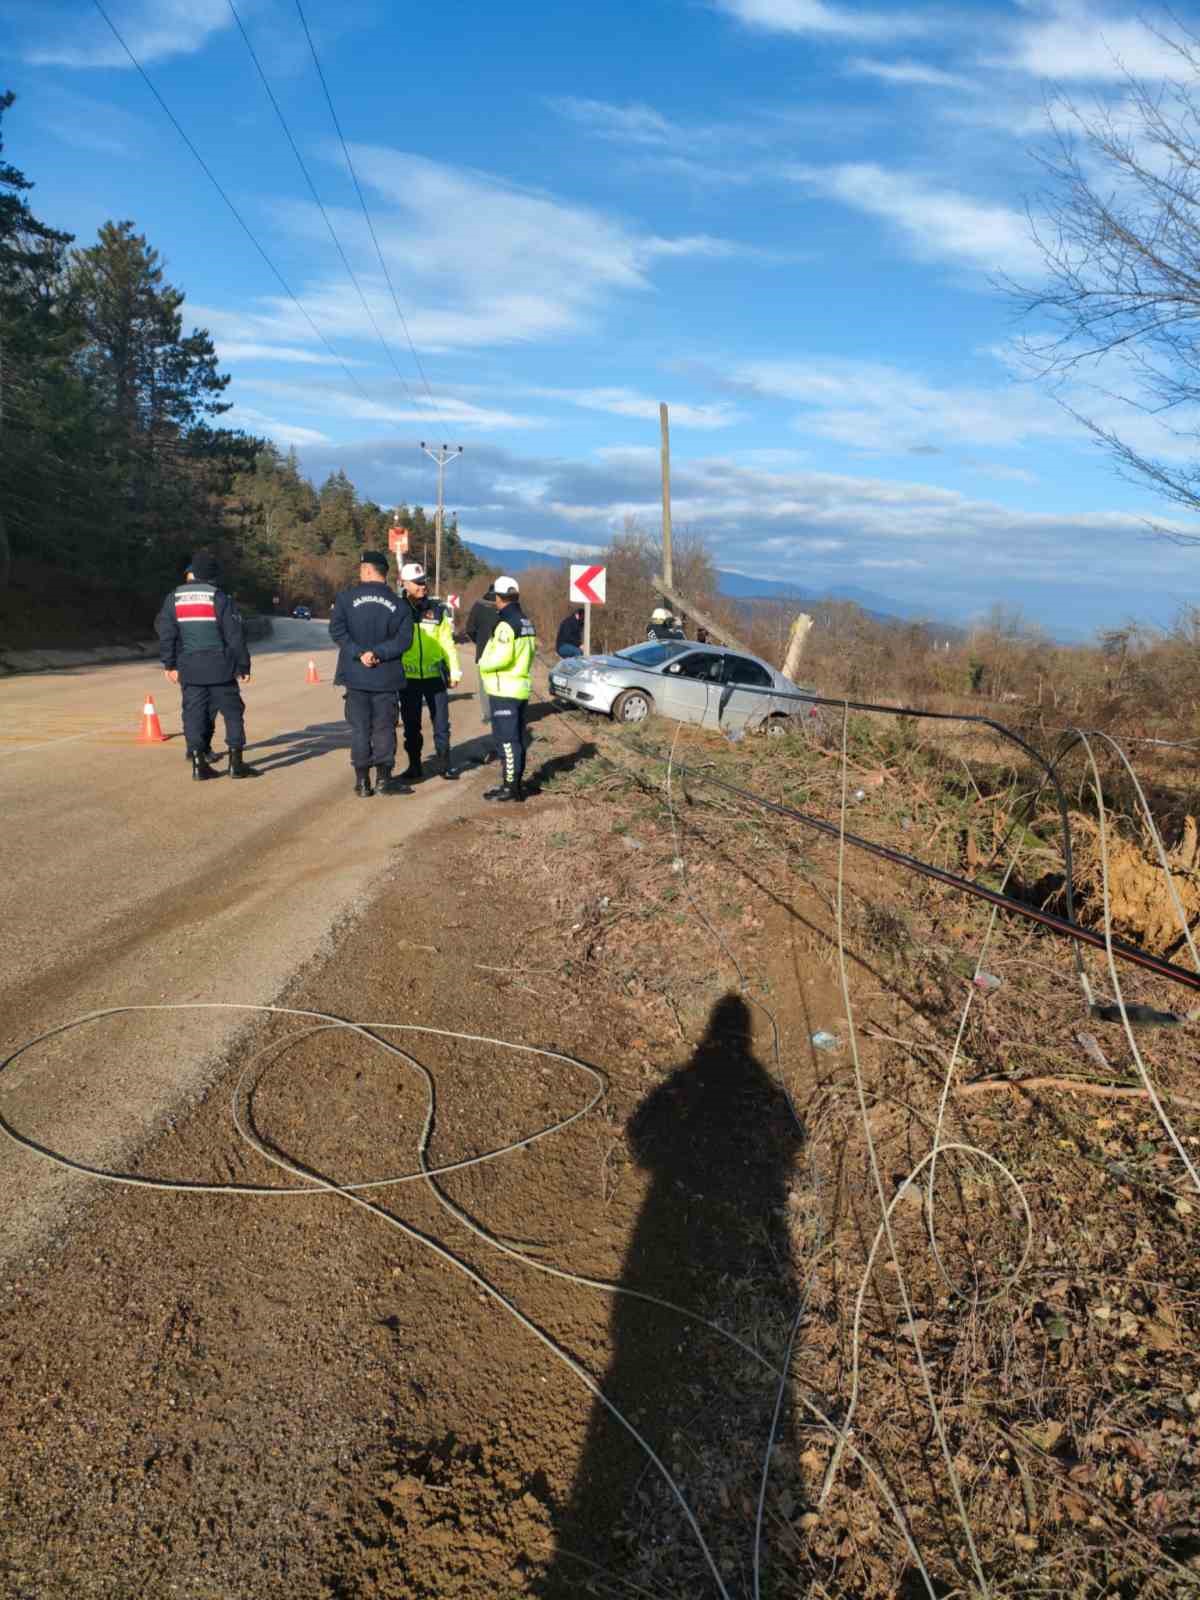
(689, 688)
(744, 699)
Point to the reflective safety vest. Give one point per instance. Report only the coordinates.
(506, 665)
(432, 653)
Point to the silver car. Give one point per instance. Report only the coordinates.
(703, 683)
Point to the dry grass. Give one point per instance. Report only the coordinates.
(1068, 1382)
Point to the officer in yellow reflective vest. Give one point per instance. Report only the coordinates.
(431, 670)
(506, 672)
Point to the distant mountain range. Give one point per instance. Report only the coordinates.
(736, 586)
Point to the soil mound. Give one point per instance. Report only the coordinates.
(1143, 909)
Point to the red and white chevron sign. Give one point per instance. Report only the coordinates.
(589, 585)
(454, 600)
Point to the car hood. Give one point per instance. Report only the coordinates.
(580, 663)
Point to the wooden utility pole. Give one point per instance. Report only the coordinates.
(668, 571)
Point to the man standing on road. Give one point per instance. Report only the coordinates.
(202, 645)
(570, 635)
(480, 622)
(372, 627)
(431, 670)
(506, 672)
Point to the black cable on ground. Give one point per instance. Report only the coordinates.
(1066, 926)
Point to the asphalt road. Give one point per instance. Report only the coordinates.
(122, 882)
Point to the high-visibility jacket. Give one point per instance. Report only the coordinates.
(506, 664)
(432, 653)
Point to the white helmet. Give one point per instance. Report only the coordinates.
(660, 614)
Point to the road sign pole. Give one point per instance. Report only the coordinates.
(587, 628)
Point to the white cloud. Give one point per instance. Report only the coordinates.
(1074, 41)
(320, 400)
(630, 124)
(620, 402)
(935, 223)
(154, 30)
(287, 433)
(910, 73)
(872, 406)
(475, 261)
(815, 17)
(235, 350)
(945, 552)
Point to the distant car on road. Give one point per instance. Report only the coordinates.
(701, 683)
(303, 612)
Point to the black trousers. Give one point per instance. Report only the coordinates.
(508, 729)
(414, 697)
(201, 702)
(372, 715)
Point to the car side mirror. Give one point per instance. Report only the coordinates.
(674, 669)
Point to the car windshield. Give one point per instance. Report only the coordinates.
(653, 655)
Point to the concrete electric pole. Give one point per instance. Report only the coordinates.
(441, 455)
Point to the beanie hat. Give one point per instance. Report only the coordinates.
(207, 569)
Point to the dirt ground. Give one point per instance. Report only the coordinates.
(222, 1395)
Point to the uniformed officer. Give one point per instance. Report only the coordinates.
(431, 670)
(506, 671)
(663, 625)
(372, 627)
(202, 645)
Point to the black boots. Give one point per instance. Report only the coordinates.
(386, 784)
(200, 767)
(446, 768)
(413, 774)
(507, 792)
(238, 767)
(362, 781)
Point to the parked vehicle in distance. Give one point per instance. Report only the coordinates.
(702, 683)
(303, 612)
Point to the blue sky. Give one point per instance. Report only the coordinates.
(786, 218)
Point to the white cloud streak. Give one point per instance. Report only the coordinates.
(935, 223)
(155, 30)
(814, 17)
(619, 402)
(1071, 41)
(910, 74)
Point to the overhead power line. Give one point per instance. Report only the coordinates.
(363, 203)
(312, 189)
(235, 213)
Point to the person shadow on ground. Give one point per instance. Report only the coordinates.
(720, 1140)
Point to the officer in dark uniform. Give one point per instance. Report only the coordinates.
(203, 649)
(372, 627)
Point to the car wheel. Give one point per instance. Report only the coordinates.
(631, 705)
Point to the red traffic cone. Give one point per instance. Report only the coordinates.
(311, 676)
(151, 727)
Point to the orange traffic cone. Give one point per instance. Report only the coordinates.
(311, 676)
(151, 727)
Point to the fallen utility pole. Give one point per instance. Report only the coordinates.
(716, 629)
(1067, 926)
